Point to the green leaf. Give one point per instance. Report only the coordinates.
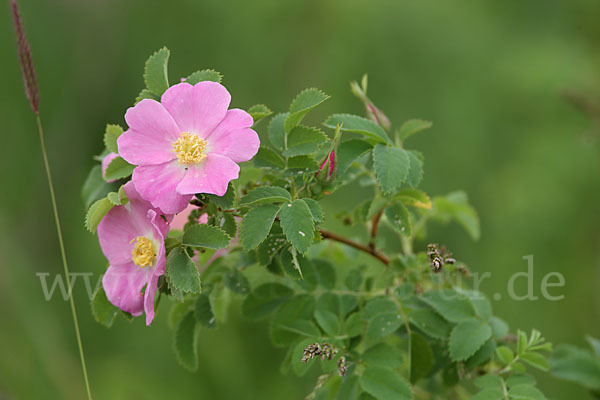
(155, 72)
(114, 199)
(348, 152)
(411, 127)
(111, 135)
(505, 354)
(525, 392)
(207, 236)
(315, 209)
(354, 325)
(146, 94)
(96, 212)
(481, 305)
(303, 140)
(301, 165)
(228, 223)
(301, 105)
(326, 273)
(421, 357)
(291, 320)
(185, 344)
(118, 169)
(482, 355)
(349, 389)
(415, 172)
(391, 166)
(382, 325)
(203, 312)
(102, 309)
(258, 112)
(265, 195)
(536, 360)
(328, 321)
(451, 305)
(300, 368)
(276, 133)
(269, 247)
(576, 365)
(499, 327)
(227, 200)
(467, 337)
(385, 384)
(489, 394)
(204, 75)
(360, 125)
(595, 344)
(414, 198)
(383, 355)
(488, 381)
(256, 225)
(455, 206)
(399, 218)
(265, 299)
(430, 323)
(297, 224)
(95, 187)
(182, 271)
(236, 282)
(268, 158)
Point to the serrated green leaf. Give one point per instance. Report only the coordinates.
(354, 324)
(180, 310)
(102, 309)
(467, 337)
(155, 72)
(228, 223)
(269, 248)
(257, 224)
(303, 140)
(399, 218)
(391, 166)
(430, 323)
(382, 325)
(96, 212)
(536, 360)
(265, 195)
(520, 379)
(415, 172)
(265, 299)
(349, 389)
(207, 236)
(185, 344)
(499, 327)
(114, 199)
(182, 271)
(451, 305)
(146, 94)
(348, 152)
(204, 75)
(118, 169)
(297, 224)
(421, 357)
(301, 105)
(301, 165)
(482, 355)
(414, 198)
(411, 127)
(268, 158)
(385, 384)
(111, 134)
(258, 112)
(488, 381)
(480, 303)
(315, 209)
(236, 282)
(360, 125)
(489, 394)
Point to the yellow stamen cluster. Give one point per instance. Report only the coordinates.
(190, 148)
(143, 252)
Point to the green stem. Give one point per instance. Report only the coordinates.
(63, 254)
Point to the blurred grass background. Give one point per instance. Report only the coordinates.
(488, 74)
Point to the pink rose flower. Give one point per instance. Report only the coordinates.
(132, 239)
(188, 143)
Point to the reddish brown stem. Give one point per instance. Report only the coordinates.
(372, 251)
(374, 228)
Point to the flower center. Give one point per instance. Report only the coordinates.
(189, 148)
(143, 252)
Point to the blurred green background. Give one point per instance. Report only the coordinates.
(488, 74)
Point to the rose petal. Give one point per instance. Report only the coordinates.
(233, 137)
(210, 176)
(123, 285)
(157, 183)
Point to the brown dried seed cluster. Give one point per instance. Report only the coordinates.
(325, 350)
(438, 257)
